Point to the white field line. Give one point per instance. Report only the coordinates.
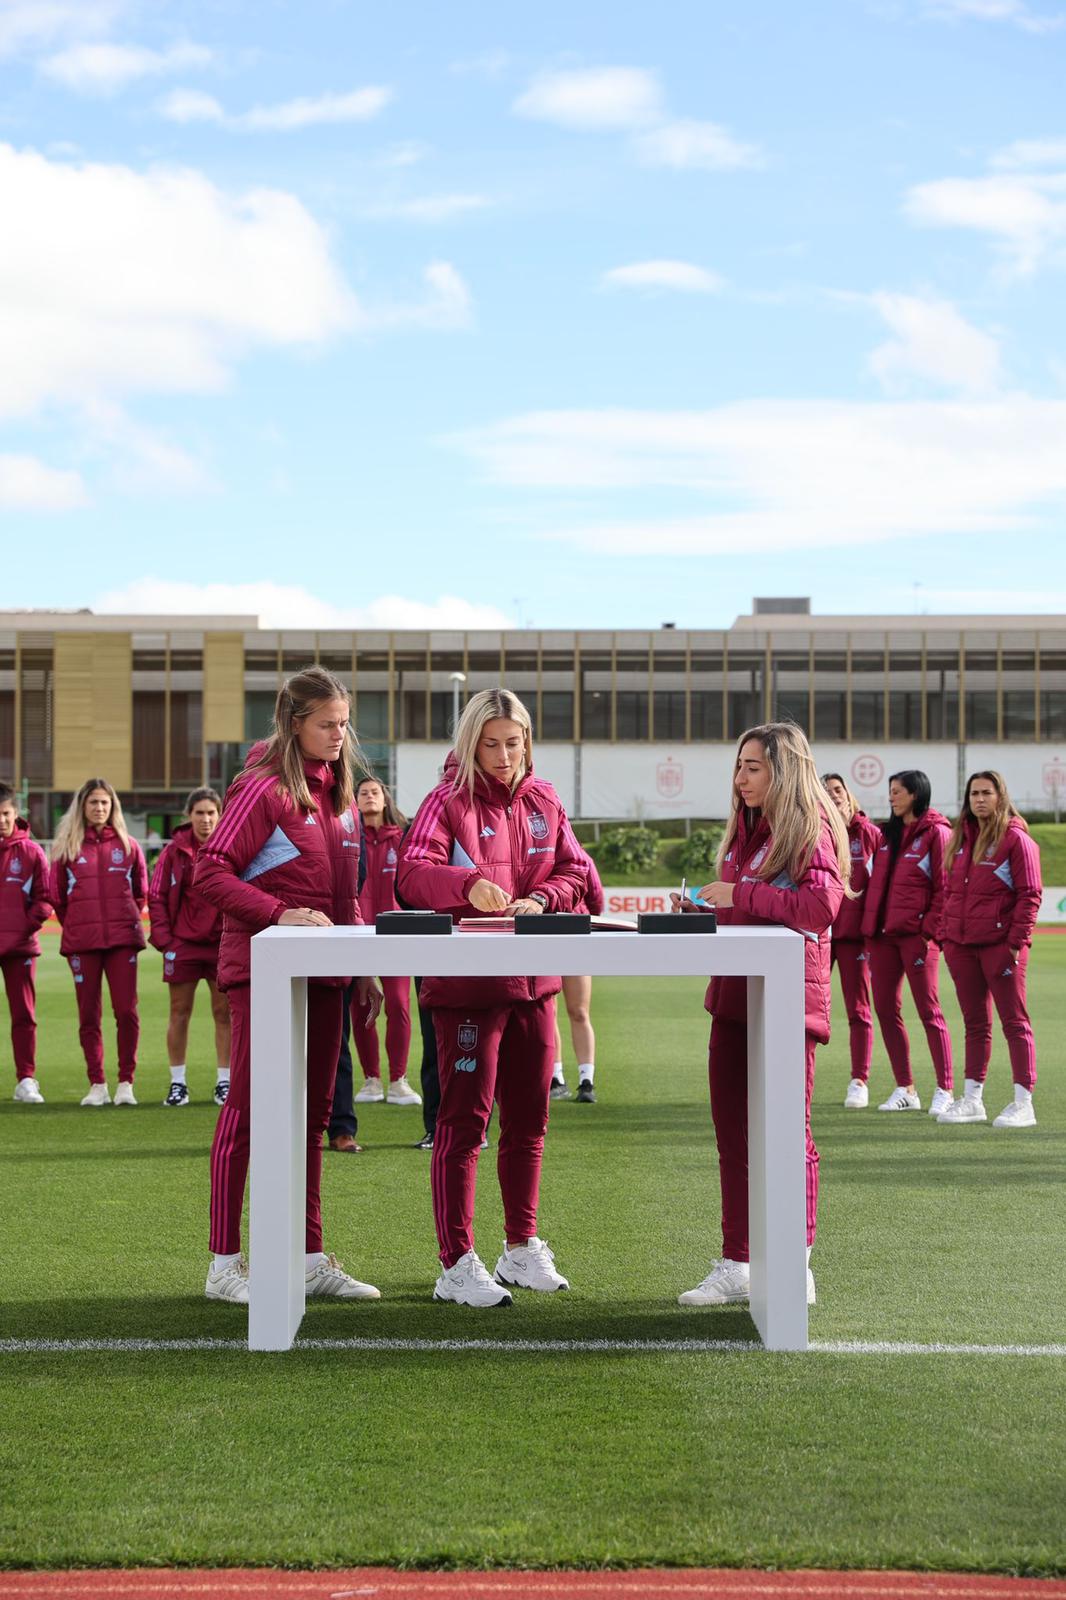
(832, 1347)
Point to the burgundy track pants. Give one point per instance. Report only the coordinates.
(21, 998)
(983, 973)
(892, 959)
(229, 1151)
(119, 966)
(506, 1052)
(397, 1030)
(853, 963)
(728, 1066)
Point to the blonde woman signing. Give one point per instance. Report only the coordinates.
(99, 885)
(491, 840)
(785, 860)
(286, 852)
(990, 909)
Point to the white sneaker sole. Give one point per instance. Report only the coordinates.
(520, 1283)
(478, 1305)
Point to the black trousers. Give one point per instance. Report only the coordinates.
(343, 1118)
(429, 1074)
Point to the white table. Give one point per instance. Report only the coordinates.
(770, 958)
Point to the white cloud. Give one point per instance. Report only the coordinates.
(447, 305)
(702, 145)
(608, 99)
(291, 606)
(1013, 11)
(27, 484)
(933, 343)
(37, 24)
(407, 153)
(106, 68)
(1031, 153)
(1023, 214)
(435, 207)
(358, 105)
(679, 275)
(790, 475)
(490, 64)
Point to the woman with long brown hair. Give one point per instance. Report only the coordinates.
(383, 830)
(784, 860)
(286, 852)
(990, 910)
(850, 955)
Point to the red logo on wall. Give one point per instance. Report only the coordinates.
(670, 778)
(868, 771)
(1055, 778)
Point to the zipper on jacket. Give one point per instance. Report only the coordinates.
(516, 858)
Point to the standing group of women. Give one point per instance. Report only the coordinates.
(493, 839)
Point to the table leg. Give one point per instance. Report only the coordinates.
(278, 1169)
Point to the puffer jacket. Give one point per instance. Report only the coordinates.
(519, 839)
(864, 841)
(907, 896)
(592, 899)
(269, 855)
(381, 848)
(99, 896)
(995, 900)
(808, 906)
(177, 911)
(24, 892)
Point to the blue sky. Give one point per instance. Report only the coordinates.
(423, 315)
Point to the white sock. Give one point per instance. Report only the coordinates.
(557, 1072)
(809, 1248)
(223, 1074)
(177, 1074)
(974, 1089)
(1022, 1096)
(313, 1259)
(222, 1262)
(586, 1071)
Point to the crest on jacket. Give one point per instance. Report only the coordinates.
(347, 822)
(118, 856)
(538, 825)
(468, 1036)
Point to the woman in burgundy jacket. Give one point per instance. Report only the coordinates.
(187, 929)
(850, 955)
(491, 840)
(99, 887)
(783, 860)
(901, 922)
(285, 852)
(990, 909)
(383, 829)
(24, 908)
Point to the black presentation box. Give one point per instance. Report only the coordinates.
(554, 922)
(413, 922)
(677, 922)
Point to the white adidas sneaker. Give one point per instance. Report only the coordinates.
(28, 1092)
(942, 1101)
(329, 1281)
(97, 1096)
(228, 1283)
(400, 1093)
(726, 1283)
(858, 1095)
(901, 1100)
(1016, 1116)
(966, 1109)
(530, 1266)
(370, 1093)
(467, 1282)
(124, 1095)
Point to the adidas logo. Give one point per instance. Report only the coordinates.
(487, 833)
(466, 1064)
(309, 822)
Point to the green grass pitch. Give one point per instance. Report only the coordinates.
(344, 1456)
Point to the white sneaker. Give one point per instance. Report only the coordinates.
(967, 1109)
(468, 1283)
(858, 1095)
(370, 1093)
(329, 1281)
(812, 1299)
(1016, 1116)
(97, 1096)
(942, 1100)
(228, 1283)
(400, 1093)
(124, 1095)
(530, 1266)
(726, 1282)
(901, 1100)
(28, 1092)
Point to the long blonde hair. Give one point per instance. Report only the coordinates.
(796, 807)
(486, 706)
(297, 698)
(70, 835)
(989, 833)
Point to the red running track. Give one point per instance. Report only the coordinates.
(366, 1583)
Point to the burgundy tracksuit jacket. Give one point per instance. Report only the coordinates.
(99, 897)
(495, 1036)
(901, 921)
(990, 910)
(185, 927)
(24, 907)
(808, 904)
(382, 847)
(849, 950)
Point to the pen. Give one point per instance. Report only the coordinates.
(681, 896)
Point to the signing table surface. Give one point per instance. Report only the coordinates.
(771, 959)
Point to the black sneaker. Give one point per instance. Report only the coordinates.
(586, 1094)
(221, 1091)
(558, 1090)
(425, 1143)
(178, 1095)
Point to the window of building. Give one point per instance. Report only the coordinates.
(1019, 713)
(149, 738)
(186, 738)
(790, 686)
(941, 691)
(905, 691)
(746, 674)
(37, 681)
(867, 695)
(595, 695)
(670, 714)
(556, 715)
(706, 680)
(1019, 685)
(1053, 692)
